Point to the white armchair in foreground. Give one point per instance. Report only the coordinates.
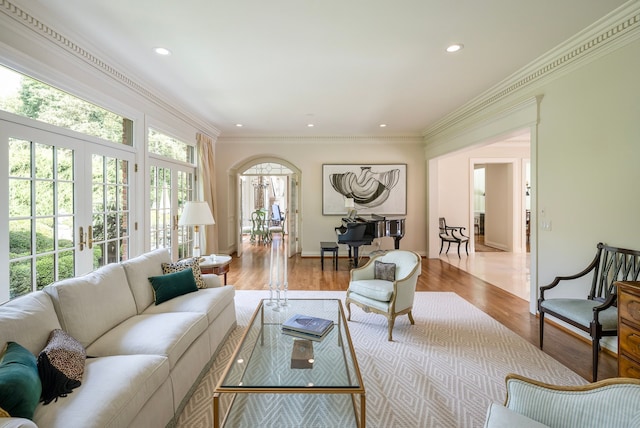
(611, 403)
(386, 285)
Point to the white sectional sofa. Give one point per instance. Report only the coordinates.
(143, 360)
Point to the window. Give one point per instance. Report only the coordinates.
(27, 97)
(169, 147)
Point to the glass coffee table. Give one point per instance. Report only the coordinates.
(278, 380)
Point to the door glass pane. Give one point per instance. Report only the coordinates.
(160, 203)
(110, 235)
(41, 215)
(20, 276)
(185, 233)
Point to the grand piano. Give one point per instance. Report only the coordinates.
(362, 230)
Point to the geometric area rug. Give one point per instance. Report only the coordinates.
(444, 371)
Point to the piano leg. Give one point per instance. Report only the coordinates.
(396, 240)
(355, 256)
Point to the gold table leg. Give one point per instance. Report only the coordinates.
(216, 410)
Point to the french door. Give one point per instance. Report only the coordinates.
(171, 184)
(65, 206)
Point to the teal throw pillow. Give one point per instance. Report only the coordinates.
(171, 285)
(20, 386)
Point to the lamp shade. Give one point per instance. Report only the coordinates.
(349, 203)
(196, 213)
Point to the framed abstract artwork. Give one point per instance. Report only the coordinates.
(375, 188)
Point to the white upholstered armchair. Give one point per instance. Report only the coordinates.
(611, 403)
(386, 285)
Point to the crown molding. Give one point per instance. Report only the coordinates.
(40, 28)
(330, 139)
(606, 35)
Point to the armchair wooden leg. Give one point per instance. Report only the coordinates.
(596, 349)
(391, 322)
(541, 328)
(348, 311)
(411, 318)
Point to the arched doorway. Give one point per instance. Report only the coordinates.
(269, 184)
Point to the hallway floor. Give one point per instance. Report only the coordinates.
(509, 271)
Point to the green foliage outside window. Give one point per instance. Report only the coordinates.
(20, 270)
(39, 101)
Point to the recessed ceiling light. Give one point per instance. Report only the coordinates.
(383, 125)
(310, 125)
(455, 47)
(162, 51)
(239, 125)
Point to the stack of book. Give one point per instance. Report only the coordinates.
(307, 327)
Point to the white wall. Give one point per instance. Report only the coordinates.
(309, 154)
(586, 149)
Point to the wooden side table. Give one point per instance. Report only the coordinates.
(217, 264)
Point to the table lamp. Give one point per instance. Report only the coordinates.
(196, 213)
(350, 205)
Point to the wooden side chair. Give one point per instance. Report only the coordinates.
(451, 234)
(596, 313)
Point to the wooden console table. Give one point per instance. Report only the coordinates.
(217, 264)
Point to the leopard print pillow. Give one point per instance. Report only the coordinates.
(193, 263)
(60, 366)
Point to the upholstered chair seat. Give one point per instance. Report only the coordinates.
(386, 285)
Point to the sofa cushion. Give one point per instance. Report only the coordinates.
(139, 270)
(166, 287)
(581, 310)
(166, 334)
(385, 271)
(16, 423)
(60, 365)
(376, 289)
(28, 320)
(90, 305)
(209, 301)
(20, 385)
(114, 389)
(501, 417)
(192, 263)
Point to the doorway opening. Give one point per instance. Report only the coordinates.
(484, 188)
(267, 204)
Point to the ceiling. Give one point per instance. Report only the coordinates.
(345, 66)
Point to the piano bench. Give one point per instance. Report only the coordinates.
(331, 247)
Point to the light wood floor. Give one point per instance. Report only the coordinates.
(251, 271)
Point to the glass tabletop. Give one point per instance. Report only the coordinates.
(269, 359)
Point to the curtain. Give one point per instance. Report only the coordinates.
(208, 190)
